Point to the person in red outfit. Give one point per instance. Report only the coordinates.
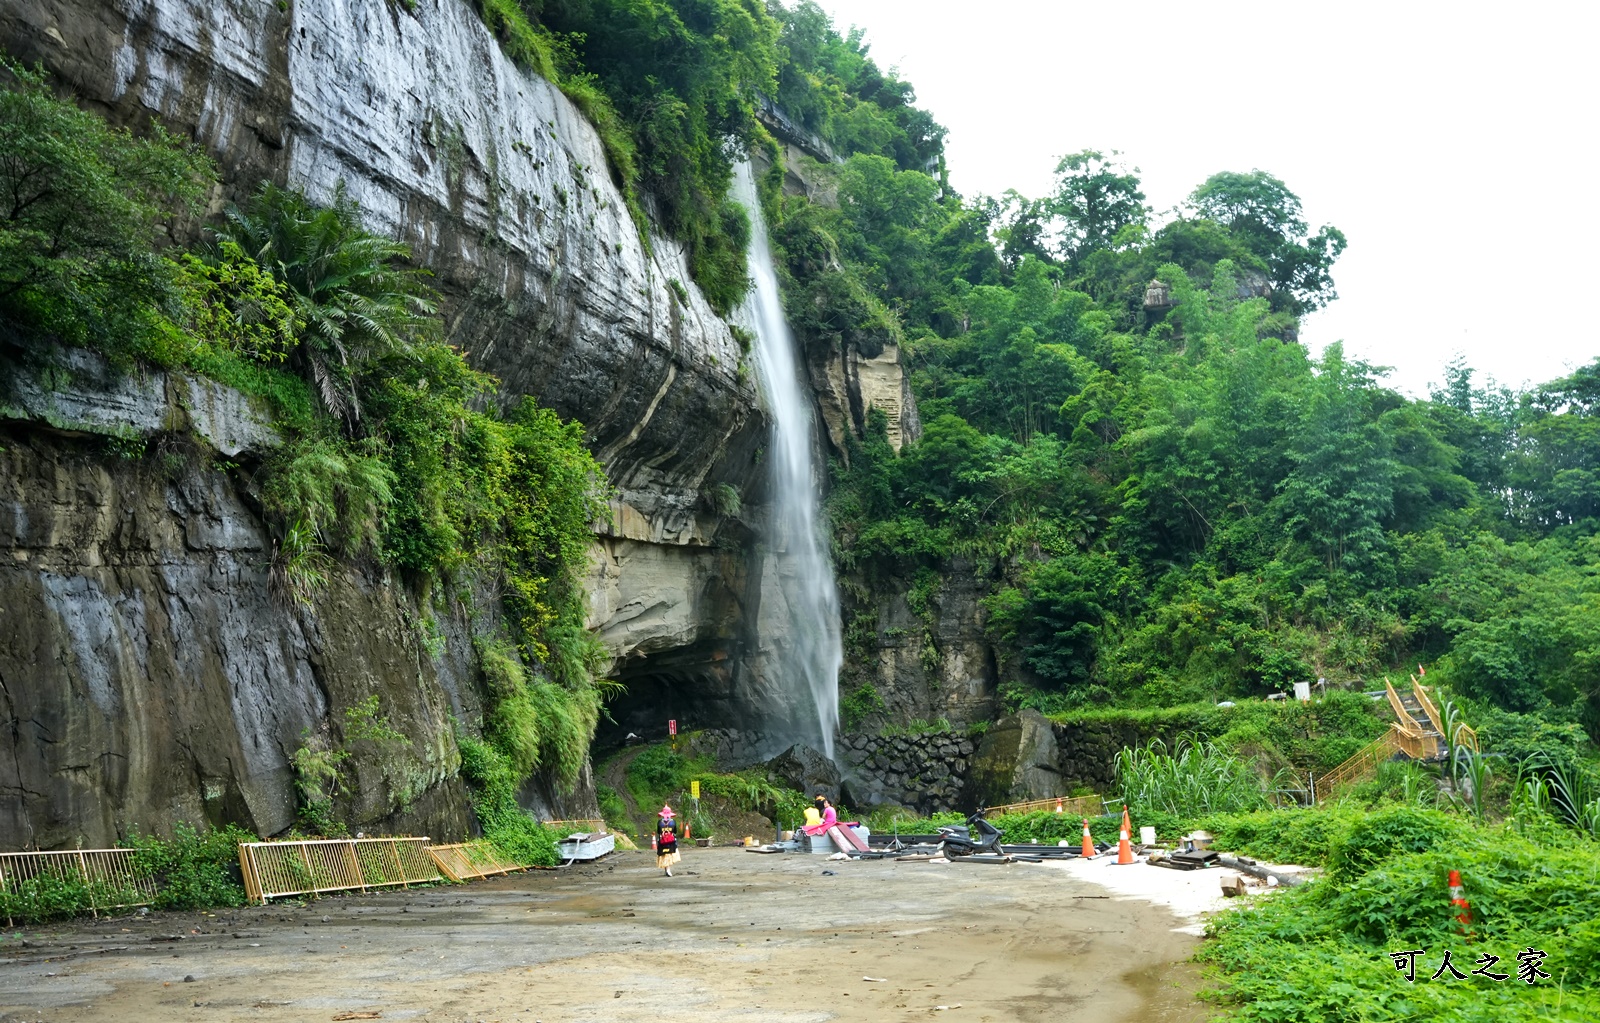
(666, 840)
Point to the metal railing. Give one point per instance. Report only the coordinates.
(275, 869)
(1077, 806)
(466, 860)
(112, 876)
(1401, 713)
(1434, 717)
(1365, 761)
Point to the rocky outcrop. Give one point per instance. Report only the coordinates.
(922, 651)
(850, 383)
(1017, 760)
(805, 770)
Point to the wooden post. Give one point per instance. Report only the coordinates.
(394, 847)
(355, 862)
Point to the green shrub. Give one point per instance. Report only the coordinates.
(858, 705)
(85, 208)
(54, 894)
(194, 869)
(494, 787)
(1303, 836)
(1388, 832)
(1320, 952)
(613, 809)
(357, 297)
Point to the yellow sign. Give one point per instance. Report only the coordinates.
(694, 789)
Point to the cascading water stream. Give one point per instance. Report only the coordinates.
(811, 671)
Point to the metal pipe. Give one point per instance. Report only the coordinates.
(1256, 870)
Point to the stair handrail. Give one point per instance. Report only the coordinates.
(1400, 712)
(1427, 705)
(1367, 757)
(1466, 736)
(1414, 744)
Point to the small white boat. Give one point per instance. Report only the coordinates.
(586, 845)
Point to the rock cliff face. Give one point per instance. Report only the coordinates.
(501, 188)
(147, 674)
(921, 650)
(143, 598)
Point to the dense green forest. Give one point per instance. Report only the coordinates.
(1171, 497)
(1167, 498)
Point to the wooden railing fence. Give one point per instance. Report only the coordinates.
(1077, 806)
(275, 869)
(112, 876)
(466, 860)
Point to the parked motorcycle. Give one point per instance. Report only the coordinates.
(979, 836)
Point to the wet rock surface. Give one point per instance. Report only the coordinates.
(1018, 760)
(150, 676)
(803, 768)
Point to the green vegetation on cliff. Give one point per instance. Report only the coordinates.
(677, 89)
(396, 455)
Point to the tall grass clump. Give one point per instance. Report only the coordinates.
(1193, 778)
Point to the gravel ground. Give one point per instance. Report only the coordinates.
(1189, 894)
(735, 936)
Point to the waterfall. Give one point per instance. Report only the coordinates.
(808, 672)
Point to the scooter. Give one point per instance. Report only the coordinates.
(979, 836)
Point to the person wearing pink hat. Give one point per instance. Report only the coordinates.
(666, 840)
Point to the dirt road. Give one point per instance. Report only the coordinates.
(738, 937)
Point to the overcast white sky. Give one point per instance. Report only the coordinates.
(1452, 143)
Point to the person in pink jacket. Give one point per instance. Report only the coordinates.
(830, 817)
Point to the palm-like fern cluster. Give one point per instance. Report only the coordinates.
(359, 301)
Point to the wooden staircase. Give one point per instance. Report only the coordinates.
(1416, 734)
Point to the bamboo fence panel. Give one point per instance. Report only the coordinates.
(110, 872)
(466, 860)
(1077, 806)
(275, 869)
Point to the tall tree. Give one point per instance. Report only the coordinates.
(1260, 210)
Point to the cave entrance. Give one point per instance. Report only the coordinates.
(698, 696)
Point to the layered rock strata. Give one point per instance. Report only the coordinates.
(148, 671)
(501, 188)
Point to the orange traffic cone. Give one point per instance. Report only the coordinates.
(1088, 841)
(1059, 807)
(1459, 903)
(1124, 850)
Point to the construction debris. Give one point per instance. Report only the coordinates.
(1273, 877)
